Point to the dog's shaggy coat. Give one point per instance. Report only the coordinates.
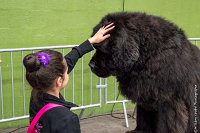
(156, 67)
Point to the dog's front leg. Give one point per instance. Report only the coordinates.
(145, 120)
(172, 118)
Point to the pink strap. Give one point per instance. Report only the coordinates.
(39, 114)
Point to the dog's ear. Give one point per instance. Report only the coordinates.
(125, 51)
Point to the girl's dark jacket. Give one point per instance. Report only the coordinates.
(60, 119)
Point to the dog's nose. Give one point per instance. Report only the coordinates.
(92, 64)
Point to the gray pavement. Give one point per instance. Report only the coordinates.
(100, 124)
(106, 124)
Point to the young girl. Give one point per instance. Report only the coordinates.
(47, 73)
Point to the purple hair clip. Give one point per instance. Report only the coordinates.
(44, 58)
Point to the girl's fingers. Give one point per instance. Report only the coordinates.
(106, 36)
(105, 31)
(105, 27)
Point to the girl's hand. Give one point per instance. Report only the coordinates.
(100, 35)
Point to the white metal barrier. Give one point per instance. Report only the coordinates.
(10, 69)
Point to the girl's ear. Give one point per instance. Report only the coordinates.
(59, 81)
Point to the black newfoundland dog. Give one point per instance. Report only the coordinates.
(156, 67)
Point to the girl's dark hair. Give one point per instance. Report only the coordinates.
(41, 77)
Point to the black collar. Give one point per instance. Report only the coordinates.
(53, 99)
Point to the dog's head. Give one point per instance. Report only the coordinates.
(118, 53)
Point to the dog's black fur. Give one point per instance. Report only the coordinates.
(156, 67)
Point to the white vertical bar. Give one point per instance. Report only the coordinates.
(82, 81)
(12, 78)
(105, 90)
(100, 94)
(23, 88)
(90, 87)
(91, 81)
(125, 114)
(1, 91)
(63, 51)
